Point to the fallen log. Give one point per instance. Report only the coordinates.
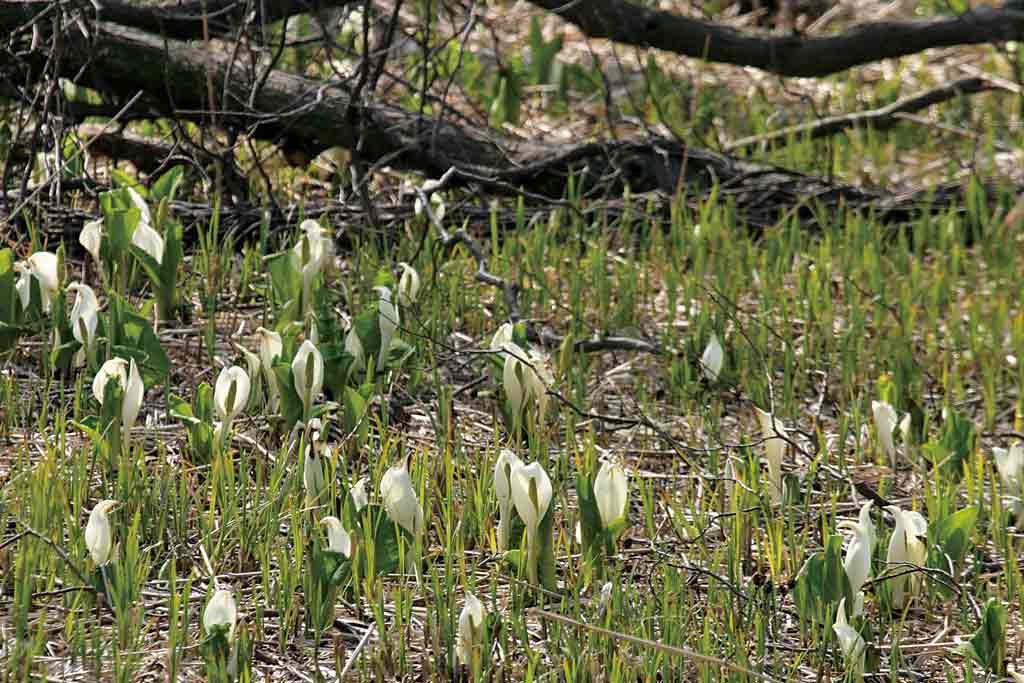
(296, 112)
(630, 23)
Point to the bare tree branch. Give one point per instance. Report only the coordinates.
(792, 55)
(182, 21)
(879, 119)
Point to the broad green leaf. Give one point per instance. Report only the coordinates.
(590, 516)
(958, 438)
(953, 533)
(988, 644)
(285, 277)
(291, 404)
(337, 365)
(133, 336)
(119, 225)
(367, 327)
(166, 186)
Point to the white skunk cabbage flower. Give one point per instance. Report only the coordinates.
(91, 238)
(408, 285)
(906, 546)
(525, 376)
(885, 422)
(729, 485)
(471, 629)
(23, 286)
(312, 253)
(313, 480)
(84, 319)
(360, 499)
(502, 336)
(308, 374)
(864, 521)
(126, 374)
(539, 380)
(712, 359)
(400, 501)
(253, 368)
(388, 320)
(774, 448)
(851, 644)
(1010, 464)
(611, 490)
(42, 266)
(338, 540)
(857, 562)
(221, 614)
(145, 237)
(99, 538)
(149, 240)
(531, 494)
(513, 378)
(354, 347)
(905, 426)
(437, 206)
(507, 461)
(140, 203)
(231, 393)
(270, 349)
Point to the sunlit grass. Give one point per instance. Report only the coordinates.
(815, 323)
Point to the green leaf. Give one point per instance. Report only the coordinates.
(958, 438)
(123, 180)
(329, 567)
(953, 533)
(10, 307)
(545, 533)
(167, 184)
(822, 580)
(199, 430)
(285, 278)
(291, 404)
(516, 559)
(988, 644)
(337, 366)
(354, 408)
(386, 536)
(150, 265)
(835, 581)
(204, 402)
(367, 327)
(133, 337)
(119, 225)
(590, 516)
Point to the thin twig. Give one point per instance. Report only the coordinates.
(879, 119)
(356, 652)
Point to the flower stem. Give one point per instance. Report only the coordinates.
(532, 557)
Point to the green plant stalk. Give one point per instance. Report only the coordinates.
(532, 556)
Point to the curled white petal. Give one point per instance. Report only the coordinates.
(712, 359)
(99, 538)
(611, 490)
(232, 377)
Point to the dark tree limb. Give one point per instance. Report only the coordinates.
(145, 154)
(300, 113)
(182, 21)
(794, 55)
(882, 118)
(313, 116)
